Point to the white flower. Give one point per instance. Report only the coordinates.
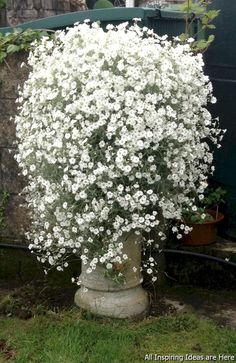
(112, 126)
(32, 167)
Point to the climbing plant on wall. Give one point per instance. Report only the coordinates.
(19, 40)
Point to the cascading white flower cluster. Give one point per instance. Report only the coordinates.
(113, 131)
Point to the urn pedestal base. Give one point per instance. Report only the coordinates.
(115, 304)
(102, 296)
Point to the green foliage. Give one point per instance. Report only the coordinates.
(102, 4)
(8, 304)
(18, 40)
(198, 217)
(2, 4)
(117, 273)
(198, 10)
(3, 201)
(179, 323)
(4, 303)
(67, 338)
(212, 199)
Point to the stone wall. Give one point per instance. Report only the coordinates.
(11, 75)
(20, 11)
(143, 3)
(3, 19)
(175, 1)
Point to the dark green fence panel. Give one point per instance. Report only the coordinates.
(106, 16)
(163, 22)
(220, 62)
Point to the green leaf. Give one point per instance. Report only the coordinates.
(12, 48)
(2, 4)
(17, 30)
(2, 56)
(211, 38)
(183, 37)
(198, 9)
(211, 26)
(200, 44)
(212, 14)
(43, 34)
(22, 46)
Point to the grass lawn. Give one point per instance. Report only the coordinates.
(73, 337)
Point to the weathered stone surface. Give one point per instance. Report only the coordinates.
(9, 4)
(30, 4)
(20, 11)
(48, 13)
(54, 4)
(11, 181)
(118, 304)
(97, 277)
(7, 131)
(17, 219)
(8, 89)
(3, 18)
(67, 6)
(37, 4)
(12, 75)
(60, 5)
(7, 107)
(102, 296)
(29, 14)
(47, 4)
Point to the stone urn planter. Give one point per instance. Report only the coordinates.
(102, 296)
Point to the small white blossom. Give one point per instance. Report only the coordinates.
(112, 128)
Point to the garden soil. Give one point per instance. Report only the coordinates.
(40, 298)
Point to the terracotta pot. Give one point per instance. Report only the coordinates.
(102, 296)
(203, 234)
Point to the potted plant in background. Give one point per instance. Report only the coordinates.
(204, 218)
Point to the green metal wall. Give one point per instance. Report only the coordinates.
(220, 62)
(163, 22)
